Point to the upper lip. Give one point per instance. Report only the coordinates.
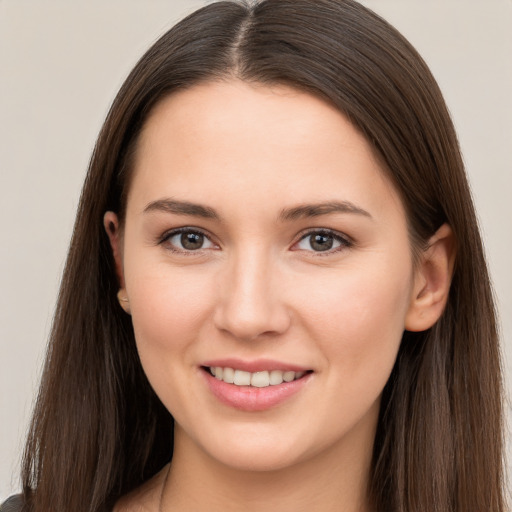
(257, 365)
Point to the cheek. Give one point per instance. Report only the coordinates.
(358, 320)
(168, 312)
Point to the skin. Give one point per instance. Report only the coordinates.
(258, 289)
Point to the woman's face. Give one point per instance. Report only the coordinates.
(262, 236)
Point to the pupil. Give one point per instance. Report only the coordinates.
(192, 241)
(321, 242)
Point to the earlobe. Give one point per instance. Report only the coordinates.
(432, 281)
(111, 224)
(123, 300)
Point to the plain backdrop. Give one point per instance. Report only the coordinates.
(61, 64)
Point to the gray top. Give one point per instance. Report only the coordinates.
(13, 504)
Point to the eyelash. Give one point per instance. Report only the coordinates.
(170, 234)
(344, 241)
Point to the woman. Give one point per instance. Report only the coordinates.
(276, 293)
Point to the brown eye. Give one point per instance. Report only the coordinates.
(192, 241)
(187, 240)
(322, 241)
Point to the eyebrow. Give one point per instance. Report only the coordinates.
(182, 208)
(287, 214)
(324, 208)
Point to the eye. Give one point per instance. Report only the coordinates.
(187, 240)
(322, 241)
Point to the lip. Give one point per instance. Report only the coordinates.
(253, 399)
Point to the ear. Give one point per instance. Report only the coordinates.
(432, 281)
(111, 225)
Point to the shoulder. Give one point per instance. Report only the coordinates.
(12, 504)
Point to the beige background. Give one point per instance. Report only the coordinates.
(61, 64)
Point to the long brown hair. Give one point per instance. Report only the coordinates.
(99, 430)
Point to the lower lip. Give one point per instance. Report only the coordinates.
(253, 399)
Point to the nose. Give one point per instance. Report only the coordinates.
(251, 299)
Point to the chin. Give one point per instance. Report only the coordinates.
(256, 459)
(263, 448)
(247, 447)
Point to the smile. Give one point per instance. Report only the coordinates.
(261, 379)
(254, 386)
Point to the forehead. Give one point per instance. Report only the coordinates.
(220, 141)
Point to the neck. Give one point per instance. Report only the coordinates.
(334, 480)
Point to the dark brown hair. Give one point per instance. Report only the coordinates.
(99, 430)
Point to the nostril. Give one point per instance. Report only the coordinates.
(246, 324)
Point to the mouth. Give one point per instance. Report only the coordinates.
(257, 386)
(260, 379)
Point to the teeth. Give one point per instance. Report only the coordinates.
(276, 377)
(256, 379)
(288, 376)
(242, 378)
(228, 375)
(260, 380)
